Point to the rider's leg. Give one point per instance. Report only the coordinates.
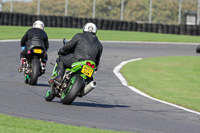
(22, 61)
(60, 71)
(63, 62)
(44, 62)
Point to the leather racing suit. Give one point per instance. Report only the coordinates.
(34, 37)
(82, 46)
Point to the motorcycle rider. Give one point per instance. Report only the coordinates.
(36, 36)
(83, 46)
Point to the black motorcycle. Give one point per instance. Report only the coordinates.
(33, 67)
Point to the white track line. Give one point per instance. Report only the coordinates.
(13, 40)
(124, 82)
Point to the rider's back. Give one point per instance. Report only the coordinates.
(88, 46)
(35, 37)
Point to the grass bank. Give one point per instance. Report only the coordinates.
(9, 124)
(16, 32)
(174, 79)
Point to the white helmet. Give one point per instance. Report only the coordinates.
(90, 27)
(38, 24)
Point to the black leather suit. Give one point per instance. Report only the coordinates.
(81, 46)
(34, 37)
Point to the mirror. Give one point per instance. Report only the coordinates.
(64, 41)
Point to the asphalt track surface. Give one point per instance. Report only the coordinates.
(110, 106)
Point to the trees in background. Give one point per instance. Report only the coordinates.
(163, 11)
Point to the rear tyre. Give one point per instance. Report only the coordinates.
(75, 85)
(35, 71)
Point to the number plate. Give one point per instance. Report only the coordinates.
(87, 71)
(38, 51)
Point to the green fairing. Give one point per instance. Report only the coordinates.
(74, 69)
(83, 62)
(48, 93)
(54, 73)
(77, 66)
(27, 77)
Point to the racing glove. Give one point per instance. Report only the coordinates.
(61, 52)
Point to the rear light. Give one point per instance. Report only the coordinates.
(89, 64)
(92, 66)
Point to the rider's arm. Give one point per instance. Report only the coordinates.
(99, 55)
(46, 43)
(24, 39)
(71, 44)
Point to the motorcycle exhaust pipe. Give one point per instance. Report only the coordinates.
(89, 87)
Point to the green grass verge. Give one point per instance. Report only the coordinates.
(172, 79)
(16, 32)
(9, 124)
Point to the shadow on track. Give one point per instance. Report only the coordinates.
(99, 105)
(42, 85)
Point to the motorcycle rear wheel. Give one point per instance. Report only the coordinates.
(75, 86)
(35, 71)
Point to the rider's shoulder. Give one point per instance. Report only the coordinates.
(32, 30)
(29, 30)
(79, 34)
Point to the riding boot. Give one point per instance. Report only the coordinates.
(60, 72)
(23, 64)
(43, 66)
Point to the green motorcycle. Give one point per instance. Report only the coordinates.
(77, 81)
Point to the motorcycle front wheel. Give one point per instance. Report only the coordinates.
(75, 86)
(26, 80)
(49, 96)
